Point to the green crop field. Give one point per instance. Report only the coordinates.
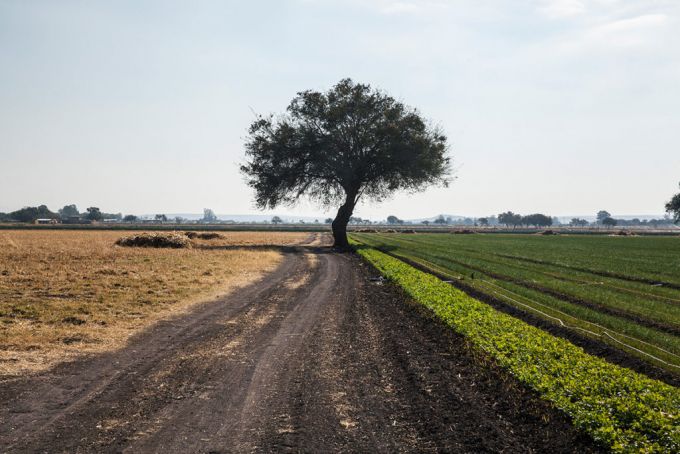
(624, 291)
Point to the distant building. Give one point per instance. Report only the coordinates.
(46, 221)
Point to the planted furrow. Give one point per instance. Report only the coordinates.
(602, 273)
(622, 410)
(648, 323)
(664, 327)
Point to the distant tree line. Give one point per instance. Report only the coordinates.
(513, 219)
(71, 214)
(68, 212)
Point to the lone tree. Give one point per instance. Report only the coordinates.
(94, 214)
(338, 146)
(602, 215)
(209, 216)
(673, 207)
(276, 220)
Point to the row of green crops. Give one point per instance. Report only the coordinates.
(548, 277)
(619, 408)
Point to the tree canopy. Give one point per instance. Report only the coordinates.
(537, 220)
(339, 146)
(602, 215)
(673, 207)
(30, 214)
(510, 219)
(209, 215)
(94, 214)
(69, 211)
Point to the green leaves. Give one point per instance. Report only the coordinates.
(351, 139)
(673, 207)
(619, 408)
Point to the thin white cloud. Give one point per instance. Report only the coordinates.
(400, 8)
(403, 7)
(646, 21)
(557, 9)
(641, 33)
(628, 34)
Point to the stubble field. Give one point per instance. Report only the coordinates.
(65, 293)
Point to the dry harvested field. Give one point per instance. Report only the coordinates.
(64, 293)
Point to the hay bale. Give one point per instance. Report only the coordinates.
(203, 235)
(156, 240)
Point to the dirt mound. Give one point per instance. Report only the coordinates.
(463, 232)
(203, 235)
(548, 232)
(407, 231)
(157, 240)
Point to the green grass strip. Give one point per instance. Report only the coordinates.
(621, 409)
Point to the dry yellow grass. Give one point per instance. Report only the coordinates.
(65, 293)
(261, 239)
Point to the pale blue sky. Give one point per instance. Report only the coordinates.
(558, 106)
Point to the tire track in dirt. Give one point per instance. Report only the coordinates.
(113, 393)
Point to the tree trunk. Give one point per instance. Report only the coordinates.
(340, 222)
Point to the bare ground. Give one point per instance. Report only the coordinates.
(315, 357)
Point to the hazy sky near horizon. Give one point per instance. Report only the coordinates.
(555, 106)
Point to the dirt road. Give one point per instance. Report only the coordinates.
(315, 357)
